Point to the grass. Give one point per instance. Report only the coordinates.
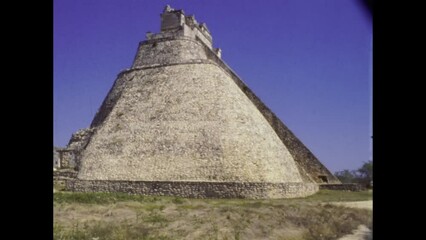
(340, 196)
(103, 198)
(106, 231)
(122, 216)
(155, 218)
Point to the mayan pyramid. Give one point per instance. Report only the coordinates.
(181, 122)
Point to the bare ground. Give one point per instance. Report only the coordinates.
(362, 232)
(359, 204)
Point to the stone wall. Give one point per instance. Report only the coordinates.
(80, 139)
(171, 19)
(175, 21)
(343, 187)
(178, 49)
(56, 158)
(67, 158)
(65, 173)
(253, 190)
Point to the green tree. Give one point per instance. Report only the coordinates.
(346, 176)
(365, 173)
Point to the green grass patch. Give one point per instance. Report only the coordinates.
(255, 204)
(340, 196)
(155, 218)
(103, 198)
(178, 200)
(153, 207)
(191, 206)
(106, 231)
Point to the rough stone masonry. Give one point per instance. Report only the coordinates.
(181, 122)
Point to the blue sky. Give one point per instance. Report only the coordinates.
(310, 61)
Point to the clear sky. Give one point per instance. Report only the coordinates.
(310, 61)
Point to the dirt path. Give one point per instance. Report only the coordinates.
(360, 204)
(362, 232)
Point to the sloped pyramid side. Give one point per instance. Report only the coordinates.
(186, 122)
(310, 168)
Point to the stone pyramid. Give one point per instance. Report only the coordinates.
(181, 122)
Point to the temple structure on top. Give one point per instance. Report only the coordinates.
(175, 23)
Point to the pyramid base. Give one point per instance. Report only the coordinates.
(251, 190)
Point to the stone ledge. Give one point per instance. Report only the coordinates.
(252, 190)
(343, 187)
(68, 173)
(187, 62)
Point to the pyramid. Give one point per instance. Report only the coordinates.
(181, 122)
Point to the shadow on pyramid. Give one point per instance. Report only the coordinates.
(180, 122)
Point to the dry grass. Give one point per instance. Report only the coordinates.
(121, 216)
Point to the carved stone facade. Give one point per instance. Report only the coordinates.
(69, 157)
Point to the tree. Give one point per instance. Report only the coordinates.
(346, 176)
(363, 175)
(366, 173)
